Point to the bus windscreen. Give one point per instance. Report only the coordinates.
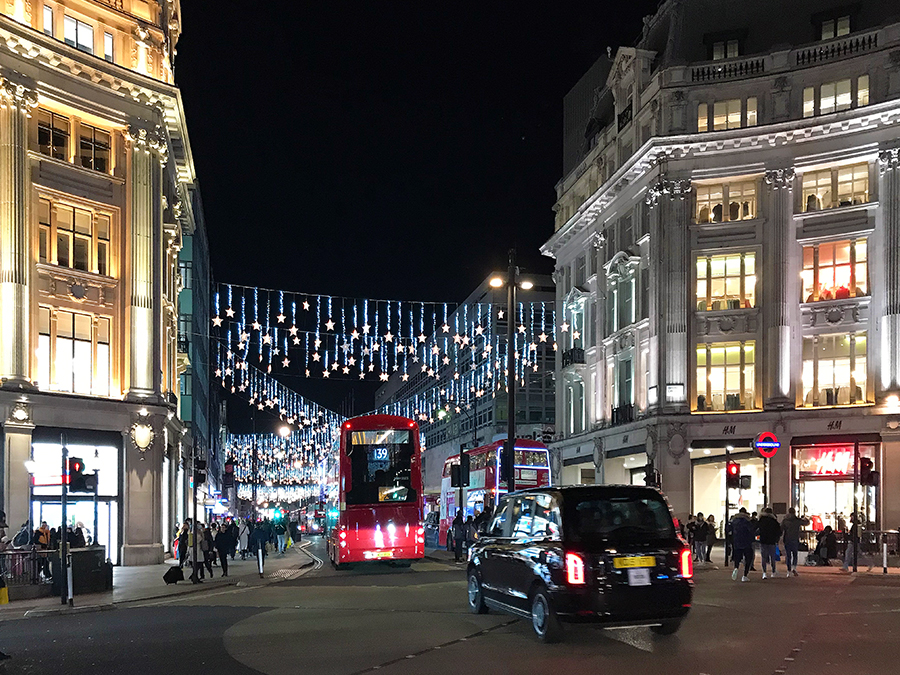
(380, 467)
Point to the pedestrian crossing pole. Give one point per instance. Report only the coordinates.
(65, 571)
(195, 578)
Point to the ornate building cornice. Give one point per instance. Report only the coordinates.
(678, 188)
(888, 160)
(148, 139)
(780, 179)
(17, 94)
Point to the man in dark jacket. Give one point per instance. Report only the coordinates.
(743, 532)
(769, 534)
(791, 527)
(458, 530)
(223, 544)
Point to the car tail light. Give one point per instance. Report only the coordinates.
(421, 531)
(687, 564)
(574, 568)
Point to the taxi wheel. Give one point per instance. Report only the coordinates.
(667, 627)
(543, 617)
(476, 594)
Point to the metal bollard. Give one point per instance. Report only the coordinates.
(884, 551)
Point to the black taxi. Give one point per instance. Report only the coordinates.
(608, 554)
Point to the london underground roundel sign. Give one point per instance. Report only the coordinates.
(767, 444)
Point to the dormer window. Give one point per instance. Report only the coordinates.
(725, 49)
(835, 27)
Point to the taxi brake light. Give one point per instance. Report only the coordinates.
(687, 564)
(574, 568)
(343, 535)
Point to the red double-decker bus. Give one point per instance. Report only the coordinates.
(532, 467)
(375, 492)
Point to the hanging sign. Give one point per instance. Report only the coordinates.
(767, 444)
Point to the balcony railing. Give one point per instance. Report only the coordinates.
(184, 343)
(728, 70)
(572, 356)
(836, 49)
(625, 117)
(622, 415)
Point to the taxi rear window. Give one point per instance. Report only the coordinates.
(619, 517)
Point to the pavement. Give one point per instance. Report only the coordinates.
(145, 582)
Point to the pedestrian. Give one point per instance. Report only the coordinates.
(791, 526)
(244, 538)
(258, 539)
(853, 542)
(207, 545)
(710, 536)
(280, 532)
(700, 532)
(743, 533)
(691, 527)
(458, 530)
(826, 547)
(769, 534)
(43, 535)
(471, 533)
(233, 535)
(223, 544)
(80, 541)
(183, 538)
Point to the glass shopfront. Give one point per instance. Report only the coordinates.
(46, 503)
(708, 482)
(823, 484)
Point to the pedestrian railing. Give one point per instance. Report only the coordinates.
(25, 566)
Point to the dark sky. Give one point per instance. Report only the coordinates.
(383, 149)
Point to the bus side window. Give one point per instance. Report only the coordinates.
(498, 527)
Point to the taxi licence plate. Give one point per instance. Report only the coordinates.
(634, 561)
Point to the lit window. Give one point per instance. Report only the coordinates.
(43, 350)
(103, 227)
(725, 49)
(79, 34)
(836, 96)
(80, 353)
(108, 47)
(832, 188)
(835, 271)
(702, 117)
(740, 198)
(53, 134)
(834, 370)
(94, 147)
(48, 20)
(751, 112)
(837, 27)
(862, 90)
(725, 376)
(727, 114)
(44, 225)
(74, 237)
(809, 102)
(726, 281)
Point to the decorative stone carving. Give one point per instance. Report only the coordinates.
(780, 84)
(77, 291)
(597, 240)
(17, 94)
(780, 179)
(20, 413)
(676, 189)
(677, 445)
(149, 139)
(888, 160)
(599, 454)
(832, 315)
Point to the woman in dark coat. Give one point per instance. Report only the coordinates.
(827, 546)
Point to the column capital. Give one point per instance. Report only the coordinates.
(888, 160)
(780, 179)
(148, 138)
(678, 188)
(18, 95)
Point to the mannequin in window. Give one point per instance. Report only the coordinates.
(703, 217)
(842, 293)
(812, 203)
(734, 211)
(717, 213)
(745, 211)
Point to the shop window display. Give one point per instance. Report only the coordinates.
(835, 271)
(834, 370)
(823, 477)
(726, 281)
(725, 376)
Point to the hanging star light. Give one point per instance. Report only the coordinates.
(229, 313)
(329, 325)
(217, 321)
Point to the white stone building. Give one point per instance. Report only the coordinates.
(96, 192)
(727, 249)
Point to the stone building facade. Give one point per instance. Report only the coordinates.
(727, 247)
(97, 191)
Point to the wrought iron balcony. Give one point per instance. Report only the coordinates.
(572, 356)
(622, 415)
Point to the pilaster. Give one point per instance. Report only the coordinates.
(779, 289)
(16, 103)
(889, 196)
(148, 156)
(17, 428)
(142, 496)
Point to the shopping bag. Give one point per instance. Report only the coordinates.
(777, 553)
(288, 543)
(4, 592)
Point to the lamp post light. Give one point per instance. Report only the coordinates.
(511, 282)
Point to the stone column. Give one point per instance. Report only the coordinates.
(779, 288)
(148, 155)
(16, 103)
(889, 196)
(142, 496)
(670, 197)
(17, 450)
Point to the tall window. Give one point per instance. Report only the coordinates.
(575, 412)
(832, 97)
(78, 34)
(94, 148)
(74, 237)
(835, 27)
(740, 198)
(726, 281)
(108, 47)
(840, 186)
(48, 20)
(53, 134)
(725, 376)
(80, 353)
(624, 382)
(834, 369)
(835, 271)
(726, 115)
(725, 49)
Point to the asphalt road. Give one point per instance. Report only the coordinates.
(415, 620)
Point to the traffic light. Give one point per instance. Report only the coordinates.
(733, 475)
(652, 477)
(199, 471)
(506, 461)
(866, 474)
(464, 466)
(454, 475)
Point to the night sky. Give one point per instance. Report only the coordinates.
(392, 150)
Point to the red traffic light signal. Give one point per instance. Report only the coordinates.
(733, 475)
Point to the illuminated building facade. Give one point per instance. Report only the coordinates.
(97, 193)
(727, 247)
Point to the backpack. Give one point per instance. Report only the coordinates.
(21, 539)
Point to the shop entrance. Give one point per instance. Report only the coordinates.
(708, 483)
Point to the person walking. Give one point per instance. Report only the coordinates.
(232, 531)
(855, 539)
(769, 534)
(258, 539)
(183, 537)
(700, 533)
(743, 533)
(458, 529)
(280, 532)
(244, 538)
(471, 533)
(691, 528)
(791, 526)
(710, 536)
(223, 543)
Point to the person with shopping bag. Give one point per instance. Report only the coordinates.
(769, 534)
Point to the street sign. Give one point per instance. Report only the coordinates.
(767, 444)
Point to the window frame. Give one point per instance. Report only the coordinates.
(725, 189)
(742, 276)
(833, 173)
(54, 132)
(93, 144)
(814, 392)
(79, 27)
(812, 96)
(747, 114)
(707, 391)
(47, 13)
(853, 264)
(99, 248)
(51, 342)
